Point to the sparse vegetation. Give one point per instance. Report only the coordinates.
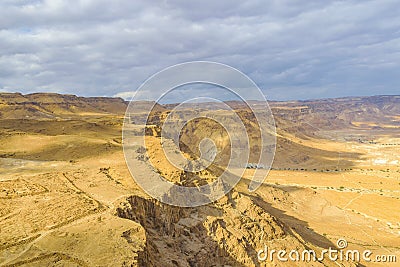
(84, 144)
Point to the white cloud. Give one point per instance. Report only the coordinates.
(125, 95)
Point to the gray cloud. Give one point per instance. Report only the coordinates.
(291, 49)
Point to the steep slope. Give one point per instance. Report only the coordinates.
(46, 105)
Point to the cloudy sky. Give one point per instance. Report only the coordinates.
(291, 49)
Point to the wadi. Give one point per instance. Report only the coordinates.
(67, 197)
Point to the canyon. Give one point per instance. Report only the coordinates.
(67, 197)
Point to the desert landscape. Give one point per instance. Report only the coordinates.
(67, 197)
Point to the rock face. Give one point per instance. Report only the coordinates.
(67, 198)
(46, 105)
(228, 232)
(337, 113)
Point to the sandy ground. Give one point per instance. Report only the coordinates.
(60, 187)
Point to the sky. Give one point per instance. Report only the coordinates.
(290, 49)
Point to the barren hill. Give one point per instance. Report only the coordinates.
(46, 105)
(68, 199)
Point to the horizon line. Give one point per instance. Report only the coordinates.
(227, 100)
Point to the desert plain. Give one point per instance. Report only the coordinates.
(67, 197)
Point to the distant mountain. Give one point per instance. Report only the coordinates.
(339, 112)
(321, 113)
(49, 105)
